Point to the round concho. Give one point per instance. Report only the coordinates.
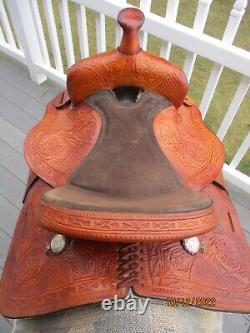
(192, 245)
(58, 244)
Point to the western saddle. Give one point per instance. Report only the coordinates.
(125, 191)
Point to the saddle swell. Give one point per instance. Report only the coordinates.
(125, 191)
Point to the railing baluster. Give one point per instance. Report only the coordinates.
(210, 88)
(100, 32)
(145, 6)
(83, 31)
(22, 19)
(198, 26)
(67, 34)
(39, 30)
(235, 18)
(6, 25)
(171, 14)
(233, 108)
(241, 152)
(50, 19)
(2, 39)
(118, 32)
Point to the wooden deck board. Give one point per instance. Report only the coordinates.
(244, 215)
(11, 135)
(22, 83)
(19, 77)
(11, 113)
(11, 187)
(23, 101)
(5, 325)
(13, 161)
(9, 214)
(5, 243)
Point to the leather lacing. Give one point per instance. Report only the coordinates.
(128, 264)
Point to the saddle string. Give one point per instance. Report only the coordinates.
(128, 264)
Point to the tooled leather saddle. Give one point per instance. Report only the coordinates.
(125, 191)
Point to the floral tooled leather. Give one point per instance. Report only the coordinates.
(113, 69)
(126, 190)
(193, 149)
(219, 271)
(57, 144)
(127, 66)
(35, 283)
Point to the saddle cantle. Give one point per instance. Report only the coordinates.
(125, 191)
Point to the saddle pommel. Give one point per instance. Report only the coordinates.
(131, 20)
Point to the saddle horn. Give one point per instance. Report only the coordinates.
(131, 20)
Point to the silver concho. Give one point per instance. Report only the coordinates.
(58, 244)
(192, 245)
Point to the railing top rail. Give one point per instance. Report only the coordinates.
(209, 47)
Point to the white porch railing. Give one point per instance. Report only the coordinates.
(22, 37)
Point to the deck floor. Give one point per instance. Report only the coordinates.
(22, 105)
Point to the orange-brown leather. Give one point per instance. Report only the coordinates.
(219, 271)
(189, 144)
(126, 189)
(36, 283)
(113, 69)
(131, 21)
(128, 65)
(65, 136)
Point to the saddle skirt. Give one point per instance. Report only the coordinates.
(125, 191)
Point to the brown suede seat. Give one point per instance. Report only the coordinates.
(182, 201)
(112, 195)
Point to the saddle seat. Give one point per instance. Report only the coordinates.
(123, 185)
(112, 195)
